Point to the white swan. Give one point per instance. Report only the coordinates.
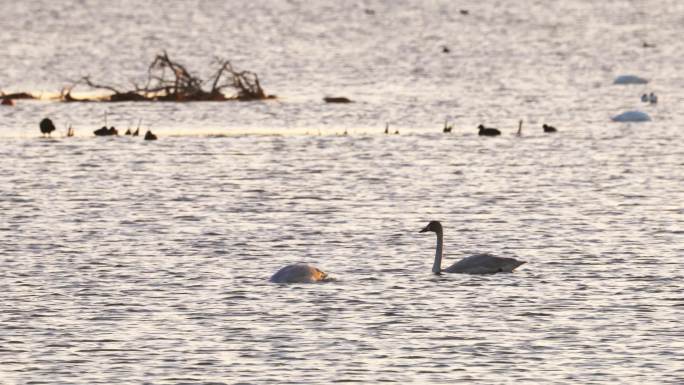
(631, 116)
(299, 273)
(629, 79)
(475, 264)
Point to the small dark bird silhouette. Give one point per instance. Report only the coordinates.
(150, 136)
(484, 131)
(386, 128)
(396, 132)
(446, 129)
(548, 128)
(128, 132)
(137, 129)
(102, 131)
(464, 12)
(70, 131)
(445, 49)
(46, 126)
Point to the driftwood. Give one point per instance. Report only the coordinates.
(336, 99)
(16, 95)
(168, 80)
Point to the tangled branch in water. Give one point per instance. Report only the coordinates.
(168, 80)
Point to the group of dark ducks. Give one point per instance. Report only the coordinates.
(488, 131)
(47, 127)
(483, 131)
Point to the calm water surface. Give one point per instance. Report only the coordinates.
(132, 262)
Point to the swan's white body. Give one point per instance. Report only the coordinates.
(474, 264)
(298, 273)
(629, 79)
(632, 116)
(484, 264)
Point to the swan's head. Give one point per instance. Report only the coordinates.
(433, 226)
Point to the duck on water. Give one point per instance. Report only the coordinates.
(486, 131)
(104, 131)
(46, 126)
(474, 264)
(549, 129)
(447, 129)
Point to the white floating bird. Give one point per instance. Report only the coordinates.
(632, 116)
(475, 264)
(629, 79)
(299, 273)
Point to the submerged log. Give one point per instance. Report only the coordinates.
(129, 96)
(336, 99)
(16, 95)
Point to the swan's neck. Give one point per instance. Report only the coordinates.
(437, 266)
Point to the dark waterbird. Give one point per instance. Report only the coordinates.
(485, 131)
(548, 129)
(446, 128)
(137, 129)
(46, 126)
(150, 136)
(104, 131)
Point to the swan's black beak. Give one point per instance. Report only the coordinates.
(424, 230)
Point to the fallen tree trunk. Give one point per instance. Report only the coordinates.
(17, 95)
